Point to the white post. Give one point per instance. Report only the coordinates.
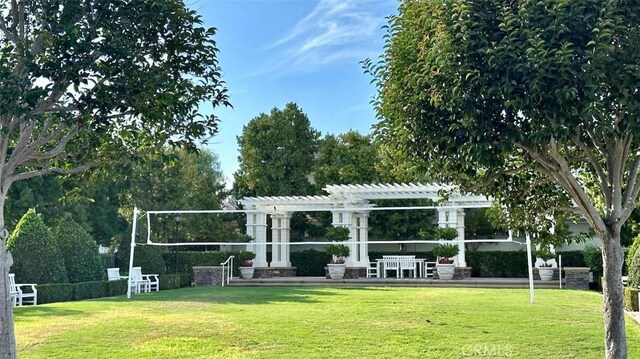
(530, 267)
(133, 246)
(462, 260)
(560, 270)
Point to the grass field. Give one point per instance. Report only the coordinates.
(308, 322)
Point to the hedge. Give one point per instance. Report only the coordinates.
(116, 287)
(631, 298)
(89, 290)
(310, 263)
(65, 292)
(186, 260)
(50, 293)
(169, 281)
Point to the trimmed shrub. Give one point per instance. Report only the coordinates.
(108, 261)
(169, 281)
(310, 263)
(89, 290)
(631, 298)
(52, 293)
(512, 264)
(36, 256)
(633, 264)
(573, 259)
(185, 280)
(593, 260)
(79, 251)
(150, 259)
(116, 287)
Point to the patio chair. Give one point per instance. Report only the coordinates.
(154, 281)
(391, 263)
(407, 263)
(114, 274)
(18, 295)
(372, 269)
(138, 283)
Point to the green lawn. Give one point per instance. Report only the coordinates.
(305, 322)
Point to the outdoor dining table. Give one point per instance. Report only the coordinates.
(419, 266)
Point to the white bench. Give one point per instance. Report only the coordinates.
(20, 297)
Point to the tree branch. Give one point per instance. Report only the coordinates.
(48, 171)
(595, 163)
(632, 189)
(559, 170)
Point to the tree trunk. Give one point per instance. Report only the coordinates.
(7, 335)
(614, 331)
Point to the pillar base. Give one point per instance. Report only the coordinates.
(274, 272)
(350, 273)
(459, 273)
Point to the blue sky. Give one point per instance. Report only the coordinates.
(305, 51)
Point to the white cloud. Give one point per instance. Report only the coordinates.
(335, 31)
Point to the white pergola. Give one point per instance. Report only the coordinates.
(350, 207)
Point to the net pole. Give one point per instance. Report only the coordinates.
(133, 246)
(531, 297)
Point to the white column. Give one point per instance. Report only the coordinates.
(257, 228)
(364, 239)
(280, 230)
(250, 230)
(275, 241)
(462, 261)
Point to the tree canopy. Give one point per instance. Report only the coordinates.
(276, 154)
(85, 80)
(533, 102)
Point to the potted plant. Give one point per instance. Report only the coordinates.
(545, 269)
(445, 265)
(245, 259)
(338, 252)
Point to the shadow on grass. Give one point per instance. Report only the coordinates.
(38, 311)
(241, 295)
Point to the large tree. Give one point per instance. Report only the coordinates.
(276, 158)
(276, 154)
(526, 98)
(82, 80)
(348, 158)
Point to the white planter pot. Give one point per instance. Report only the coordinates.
(446, 271)
(246, 272)
(336, 271)
(546, 273)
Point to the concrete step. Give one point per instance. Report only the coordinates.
(394, 282)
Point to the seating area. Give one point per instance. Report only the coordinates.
(19, 296)
(140, 283)
(412, 266)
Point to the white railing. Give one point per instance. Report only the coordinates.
(227, 270)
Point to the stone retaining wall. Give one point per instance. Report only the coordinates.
(203, 276)
(577, 277)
